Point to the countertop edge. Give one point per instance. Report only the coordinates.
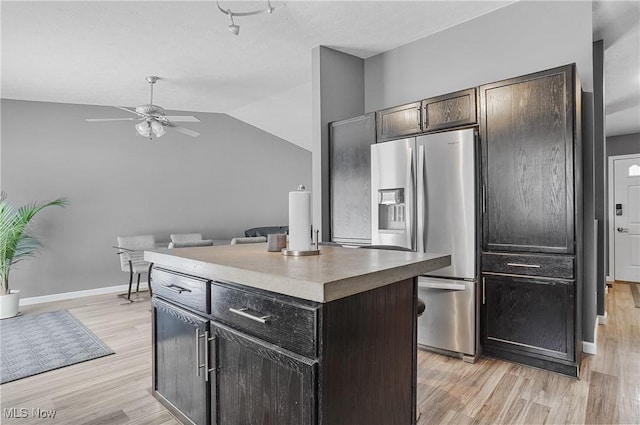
(304, 289)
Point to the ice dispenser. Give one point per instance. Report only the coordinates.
(391, 209)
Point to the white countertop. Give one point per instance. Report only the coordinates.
(336, 273)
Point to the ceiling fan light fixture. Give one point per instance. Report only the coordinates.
(144, 128)
(157, 129)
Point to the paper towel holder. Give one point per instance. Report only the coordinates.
(301, 253)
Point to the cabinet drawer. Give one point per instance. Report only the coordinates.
(558, 266)
(185, 290)
(273, 319)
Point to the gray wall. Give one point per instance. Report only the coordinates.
(234, 176)
(521, 38)
(337, 93)
(623, 145)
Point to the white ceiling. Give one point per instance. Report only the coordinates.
(97, 52)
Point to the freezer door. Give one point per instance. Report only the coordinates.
(393, 193)
(446, 213)
(448, 322)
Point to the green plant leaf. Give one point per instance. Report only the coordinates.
(15, 244)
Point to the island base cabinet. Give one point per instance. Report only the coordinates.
(259, 383)
(179, 380)
(530, 320)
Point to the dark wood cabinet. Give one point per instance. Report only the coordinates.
(350, 178)
(532, 219)
(530, 315)
(259, 383)
(448, 111)
(528, 162)
(259, 357)
(399, 121)
(178, 358)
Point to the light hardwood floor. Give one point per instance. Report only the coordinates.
(116, 389)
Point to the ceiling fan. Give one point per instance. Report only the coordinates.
(153, 119)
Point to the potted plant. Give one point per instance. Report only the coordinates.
(16, 245)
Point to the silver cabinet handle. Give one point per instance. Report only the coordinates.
(206, 360)
(484, 298)
(622, 230)
(484, 200)
(175, 288)
(532, 266)
(198, 366)
(243, 312)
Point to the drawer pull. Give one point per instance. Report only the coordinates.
(243, 312)
(533, 266)
(177, 289)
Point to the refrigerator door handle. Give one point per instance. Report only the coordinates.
(440, 285)
(421, 198)
(409, 199)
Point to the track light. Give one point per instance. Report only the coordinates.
(235, 29)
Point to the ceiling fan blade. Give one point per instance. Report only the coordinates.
(182, 118)
(184, 130)
(109, 119)
(131, 112)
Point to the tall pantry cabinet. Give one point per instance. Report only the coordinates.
(532, 219)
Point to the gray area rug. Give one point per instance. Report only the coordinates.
(33, 344)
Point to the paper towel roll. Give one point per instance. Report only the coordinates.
(299, 220)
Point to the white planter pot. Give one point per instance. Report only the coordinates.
(9, 304)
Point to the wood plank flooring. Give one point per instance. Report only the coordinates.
(116, 389)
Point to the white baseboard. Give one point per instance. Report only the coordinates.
(80, 294)
(590, 347)
(602, 320)
(610, 279)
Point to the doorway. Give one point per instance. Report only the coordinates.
(624, 221)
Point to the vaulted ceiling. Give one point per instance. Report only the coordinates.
(98, 53)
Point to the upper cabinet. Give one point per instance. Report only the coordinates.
(451, 110)
(350, 178)
(399, 121)
(527, 132)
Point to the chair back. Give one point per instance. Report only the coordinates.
(186, 237)
(252, 239)
(137, 244)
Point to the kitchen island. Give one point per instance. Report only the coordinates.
(246, 336)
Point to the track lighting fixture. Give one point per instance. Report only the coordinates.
(234, 28)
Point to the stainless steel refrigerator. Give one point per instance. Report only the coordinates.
(424, 198)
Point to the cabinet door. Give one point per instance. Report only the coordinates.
(259, 383)
(399, 121)
(527, 148)
(178, 352)
(451, 110)
(529, 315)
(350, 178)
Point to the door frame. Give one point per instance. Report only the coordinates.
(611, 275)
